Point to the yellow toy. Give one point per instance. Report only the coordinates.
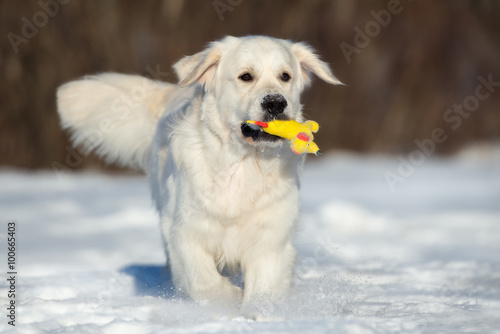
(299, 134)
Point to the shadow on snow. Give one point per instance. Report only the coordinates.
(151, 280)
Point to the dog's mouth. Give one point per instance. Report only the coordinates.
(255, 133)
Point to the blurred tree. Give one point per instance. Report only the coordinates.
(409, 62)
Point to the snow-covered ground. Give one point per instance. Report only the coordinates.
(422, 258)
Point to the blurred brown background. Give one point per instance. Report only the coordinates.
(400, 81)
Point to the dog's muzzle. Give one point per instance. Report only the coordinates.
(273, 107)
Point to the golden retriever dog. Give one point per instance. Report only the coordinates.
(227, 193)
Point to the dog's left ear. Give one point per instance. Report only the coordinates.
(310, 63)
(199, 68)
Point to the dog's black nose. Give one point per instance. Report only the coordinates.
(274, 104)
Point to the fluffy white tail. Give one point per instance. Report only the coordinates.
(113, 114)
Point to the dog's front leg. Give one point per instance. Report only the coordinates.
(268, 278)
(194, 269)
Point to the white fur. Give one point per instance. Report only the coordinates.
(225, 201)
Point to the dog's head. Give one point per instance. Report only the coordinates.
(252, 78)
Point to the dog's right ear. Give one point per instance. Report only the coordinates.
(199, 68)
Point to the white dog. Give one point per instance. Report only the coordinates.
(228, 194)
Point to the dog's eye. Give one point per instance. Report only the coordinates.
(246, 77)
(285, 77)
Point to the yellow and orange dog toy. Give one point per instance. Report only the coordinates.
(300, 135)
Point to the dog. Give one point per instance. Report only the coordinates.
(227, 193)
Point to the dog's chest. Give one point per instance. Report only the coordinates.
(240, 188)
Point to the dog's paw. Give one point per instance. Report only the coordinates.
(236, 293)
(225, 294)
(263, 311)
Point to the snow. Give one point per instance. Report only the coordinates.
(422, 258)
